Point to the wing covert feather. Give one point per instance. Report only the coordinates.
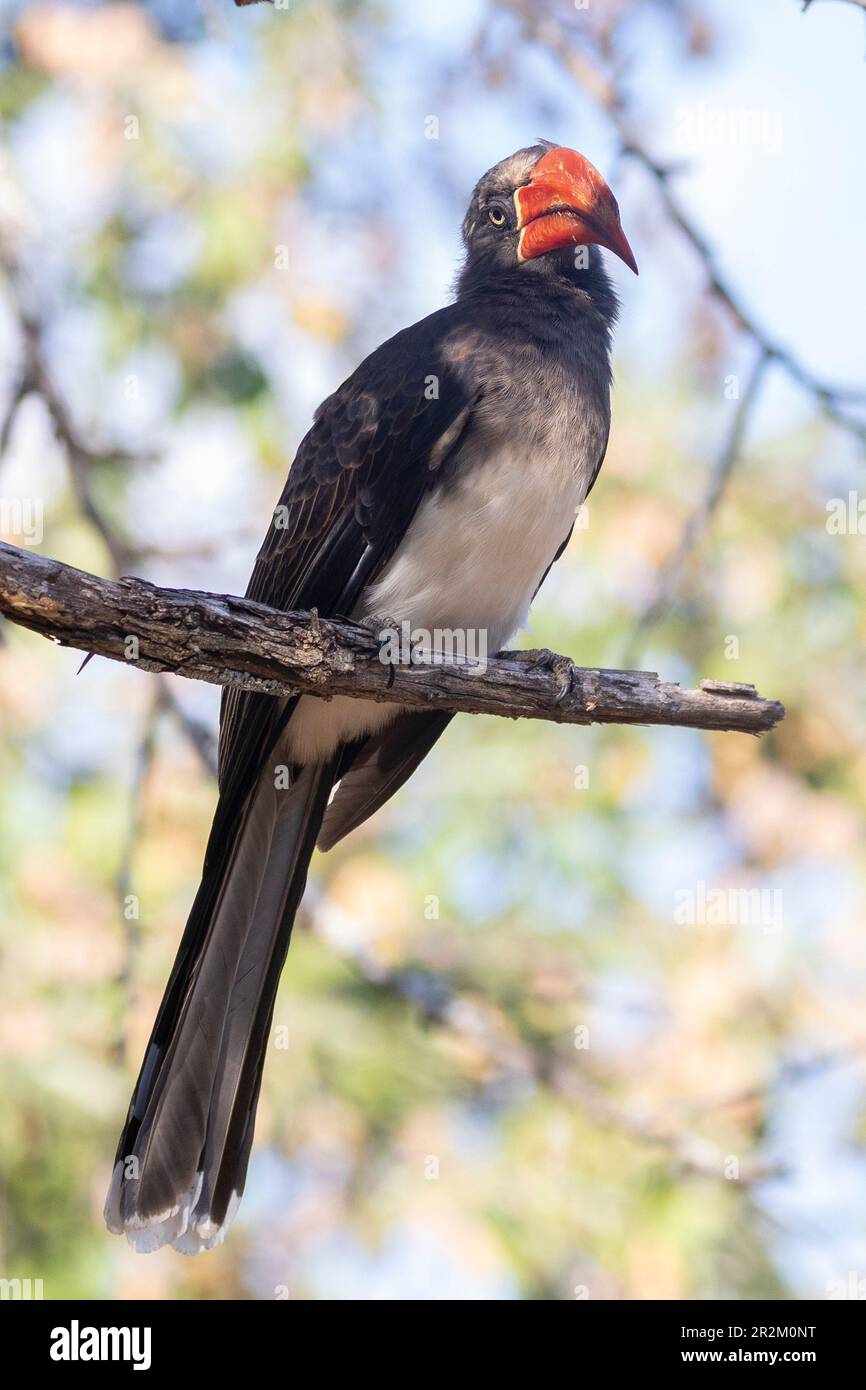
(375, 447)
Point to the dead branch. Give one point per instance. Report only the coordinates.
(232, 641)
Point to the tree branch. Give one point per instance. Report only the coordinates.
(669, 576)
(233, 641)
(861, 4)
(548, 31)
(486, 1023)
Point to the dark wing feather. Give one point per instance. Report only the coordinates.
(375, 447)
(379, 768)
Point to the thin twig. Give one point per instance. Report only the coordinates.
(861, 4)
(828, 397)
(199, 735)
(22, 389)
(81, 456)
(547, 30)
(487, 1026)
(791, 1073)
(671, 573)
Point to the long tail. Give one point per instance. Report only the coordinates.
(182, 1158)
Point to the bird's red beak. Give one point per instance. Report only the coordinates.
(568, 203)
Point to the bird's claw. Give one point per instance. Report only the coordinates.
(383, 630)
(561, 666)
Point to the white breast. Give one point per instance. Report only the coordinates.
(478, 547)
(472, 559)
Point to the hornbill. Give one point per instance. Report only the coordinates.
(436, 486)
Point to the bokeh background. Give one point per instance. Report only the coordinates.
(505, 1064)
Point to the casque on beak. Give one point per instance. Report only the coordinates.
(568, 203)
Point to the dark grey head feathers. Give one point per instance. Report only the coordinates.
(490, 236)
(495, 190)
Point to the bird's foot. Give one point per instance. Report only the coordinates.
(387, 636)
(561, 666)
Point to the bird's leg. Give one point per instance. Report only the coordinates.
(561, 666)
(386, 634)
(416, 644)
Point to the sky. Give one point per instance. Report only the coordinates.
(785, 212)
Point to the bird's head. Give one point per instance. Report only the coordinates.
(533, 209)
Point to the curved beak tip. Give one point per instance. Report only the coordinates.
(617, 242)
(627, 255)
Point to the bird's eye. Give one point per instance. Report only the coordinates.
(496, 216)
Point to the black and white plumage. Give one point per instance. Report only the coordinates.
(437, 485)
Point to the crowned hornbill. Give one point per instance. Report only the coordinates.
(436, 486)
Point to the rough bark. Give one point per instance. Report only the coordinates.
(231, 641)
